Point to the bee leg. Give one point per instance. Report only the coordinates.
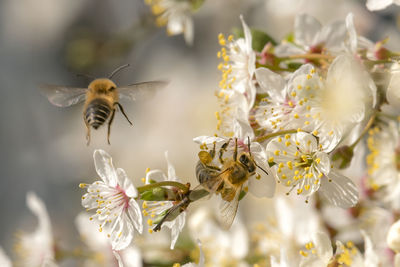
(235, 152)
(123, 112)
(212, 151)
(222, 150)
(87, 133)
(109, 126)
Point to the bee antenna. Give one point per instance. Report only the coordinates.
(248, 144)
(117, 70)
(261, 168)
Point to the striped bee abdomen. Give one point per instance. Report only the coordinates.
(206, 176)
(97, 112)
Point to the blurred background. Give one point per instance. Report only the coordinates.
(50, 41)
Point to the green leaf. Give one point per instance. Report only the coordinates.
(259, 38)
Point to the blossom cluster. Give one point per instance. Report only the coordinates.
(308, 123)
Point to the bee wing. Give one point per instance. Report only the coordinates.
(228, 209)
(62, 96)
(142, 89)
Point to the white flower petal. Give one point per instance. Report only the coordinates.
(208, 139)
(341, 191)
(352, 32)
(325, 164)
(171, 169)
(271, 83)
(371, 258)
(306, 28)
(247, 35)
(135, 215)
(323, 246)
(104, 167)
(307, 142)
(263, 187)
(126, 184)
(393, 90)
(374, 5)
(4, 259)
(155, 175)
(287, 49)
(393, 237)
(333, 35)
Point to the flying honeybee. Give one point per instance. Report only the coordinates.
(228, 180)
(101, 99)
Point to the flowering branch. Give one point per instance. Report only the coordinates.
(148, 187)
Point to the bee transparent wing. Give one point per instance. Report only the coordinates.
(139, 90)
(62, 96)
(228, 209)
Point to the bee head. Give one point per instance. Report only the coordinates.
(247, 161)
(102, 86)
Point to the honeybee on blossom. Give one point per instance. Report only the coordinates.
(101, 99)
(228, 179)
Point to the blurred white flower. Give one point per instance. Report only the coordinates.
(393, 237)
(263, 184)
(299, 162)
(4, 259)
(158, 209)
(100, 247)
(311, 37)
(221, 248)
(319, 253)
(113, 198)
(374, 5)
(201, 259)
(238, 66)
(383, 163)
(36, 248)
(176, 15)
(393, 90)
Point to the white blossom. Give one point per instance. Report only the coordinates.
(176, 15)
(374, 5)
(37, 248)
(113, 198)
(300, 163)
(157, 209)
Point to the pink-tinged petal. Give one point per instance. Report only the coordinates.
(125, 183)
(374, 5)
(104, 167)
(242, 130)
(339, 190)
(271, 83)
(306, 28)
(135, 215)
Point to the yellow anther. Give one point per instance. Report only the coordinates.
(312, 71)
(279, 139)
(299, 191)
(226, 58)
(271, 159)
(290, 165)
(276, 152)
(100, 229)
(306, 122)
(144, 205)
(281, 165)
(307, 187)
(320, 175)
(150, 231)
(283, 176)
(290, 103)
(287, 136)
(81, 185)
(293, 94)
(150, 222)
(230, 38)
(309, 76)
(296, 116)
(299, 87)
(287, 143)
(317, 160)
(258, 176)
(147, 170)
